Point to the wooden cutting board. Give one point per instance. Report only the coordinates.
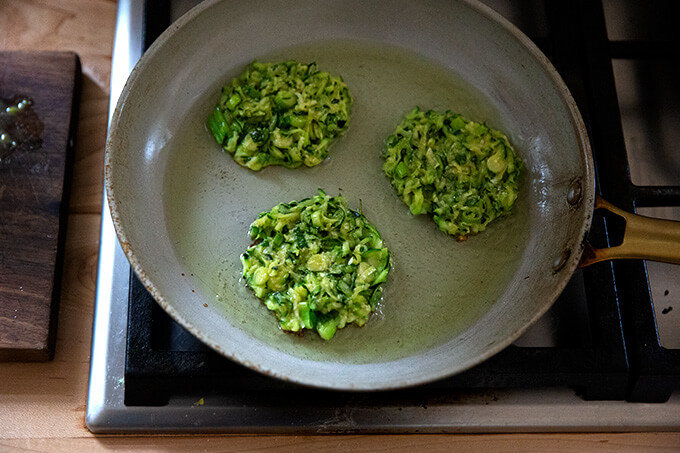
(36, 153)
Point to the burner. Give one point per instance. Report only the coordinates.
(594, 353)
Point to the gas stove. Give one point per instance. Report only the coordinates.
(606, 357)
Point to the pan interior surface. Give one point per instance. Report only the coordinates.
(182, 207)
(437, 288)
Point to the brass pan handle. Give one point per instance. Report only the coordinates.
(644, 238)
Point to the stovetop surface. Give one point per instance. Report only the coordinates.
(605, 357)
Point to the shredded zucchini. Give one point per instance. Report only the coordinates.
(463, 173)
(316, 264)
(280, 114)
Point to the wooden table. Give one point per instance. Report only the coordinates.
(42, 405)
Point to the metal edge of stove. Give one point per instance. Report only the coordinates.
(544, 410)
(106, 391)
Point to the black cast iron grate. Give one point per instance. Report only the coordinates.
(655, 369)
(588, 351)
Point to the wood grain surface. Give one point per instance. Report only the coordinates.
(42, 405)
(35, 180)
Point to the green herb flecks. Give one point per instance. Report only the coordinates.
(280, 114)
(463, 173)
(316, 264)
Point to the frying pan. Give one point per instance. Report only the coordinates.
(182, 208)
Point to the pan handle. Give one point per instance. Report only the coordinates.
(644, 238)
